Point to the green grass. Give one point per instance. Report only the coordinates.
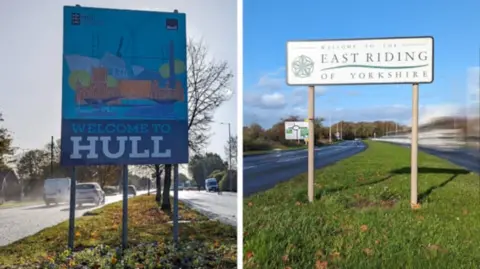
(362, 218)
(147, 224)
(12, 204)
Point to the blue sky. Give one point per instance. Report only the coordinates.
(269, 24)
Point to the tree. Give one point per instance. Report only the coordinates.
(61, 171)
(201, 166)
(30, 167)
(5, 144)
(225, 184)
(155, 171)
(166, 191)
(254, 131)
(182, 178)
(107, 175)
(158, 182)
(208, 82)
(231, 150)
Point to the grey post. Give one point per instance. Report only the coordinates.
(311, 142)
(175, 196)
(71, 221)
(125, 207)
(148, 186)
(51, 158)
(230, 158)
(175, 204)
(414, 147)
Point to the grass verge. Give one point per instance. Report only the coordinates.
(12, 204)
(204, 243)
(362, 218)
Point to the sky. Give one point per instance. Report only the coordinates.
(31, 66)
(269, 24)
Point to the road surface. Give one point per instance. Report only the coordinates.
(220, 207)
(19, 222)
(469, 159)
(263, 172)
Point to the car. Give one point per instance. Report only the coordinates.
(211, 184)
(132, 190)
(89, 193)
(56, 190)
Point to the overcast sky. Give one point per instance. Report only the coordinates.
(31, 65)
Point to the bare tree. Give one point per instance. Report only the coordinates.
(208, 83)
(208, 87)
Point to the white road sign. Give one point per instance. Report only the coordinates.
(296, 130)
(360, 61)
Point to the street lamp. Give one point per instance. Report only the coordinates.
(229, 153)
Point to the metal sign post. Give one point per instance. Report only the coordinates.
(149, 182)
(311, 141)
(296, 129)
(125, 207)
(71, 221)
(414, 148)
(175, 204)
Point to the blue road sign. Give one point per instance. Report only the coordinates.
(124, 88)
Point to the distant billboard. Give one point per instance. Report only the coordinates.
(124, 87)
(296, 130)
(399, 60)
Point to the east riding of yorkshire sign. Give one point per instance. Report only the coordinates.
(124, 94)
(360, 61)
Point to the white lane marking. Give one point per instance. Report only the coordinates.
(249, 167)
(291, 159)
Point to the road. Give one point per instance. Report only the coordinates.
(19, 222)
(220, 207)
(263, 172)
(468, 159)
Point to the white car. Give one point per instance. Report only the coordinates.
(89, 193)
(56, 190)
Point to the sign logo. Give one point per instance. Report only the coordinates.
(302, 66)
(172, 24)
(75, 19)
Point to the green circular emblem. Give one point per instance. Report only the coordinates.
(302, 66)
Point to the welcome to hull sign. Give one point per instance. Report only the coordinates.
(124, 94)
(360, 61)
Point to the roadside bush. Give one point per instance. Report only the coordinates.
(257, 144)
(218, 175)
(225, 182)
